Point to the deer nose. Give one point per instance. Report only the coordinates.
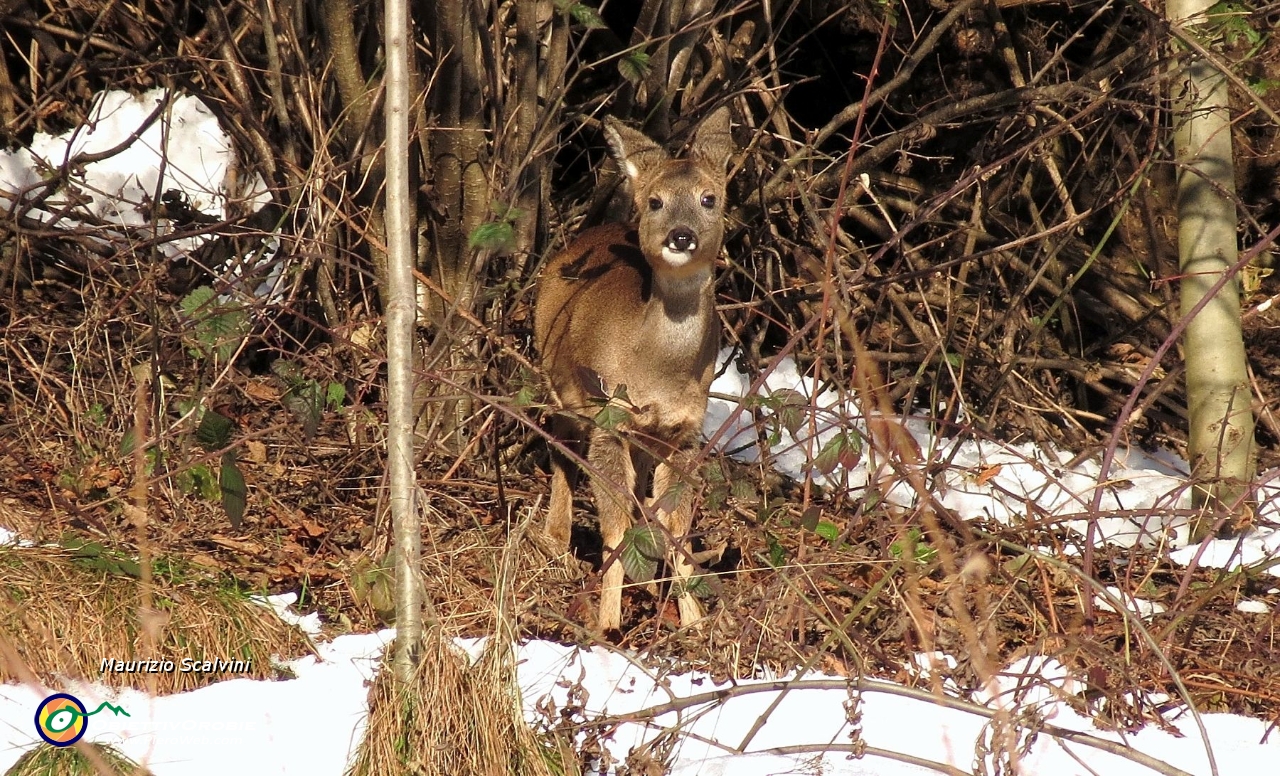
(682, 239)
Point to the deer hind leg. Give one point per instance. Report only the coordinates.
(614, 487)
(677, 522)
(564, 475)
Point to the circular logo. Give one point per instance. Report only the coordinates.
(61, 719)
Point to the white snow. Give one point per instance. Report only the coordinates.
(1012, 483)
(1139, 606)
(150, 144)
(311, 725)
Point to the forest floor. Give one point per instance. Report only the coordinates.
(784, 594)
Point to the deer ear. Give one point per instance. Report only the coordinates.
(634, 151)
(714, 140)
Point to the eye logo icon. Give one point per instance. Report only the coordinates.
(61, 719)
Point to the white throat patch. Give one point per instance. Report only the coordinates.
(676, 258)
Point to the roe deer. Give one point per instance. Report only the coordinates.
(636, 307)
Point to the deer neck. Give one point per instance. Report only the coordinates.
(680, 295)
(678, 318)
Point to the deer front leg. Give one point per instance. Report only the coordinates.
(613, 484)
(677, 522)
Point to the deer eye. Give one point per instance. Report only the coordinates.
(709, 201)
(655, 203)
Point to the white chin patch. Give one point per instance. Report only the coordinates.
(676, 258)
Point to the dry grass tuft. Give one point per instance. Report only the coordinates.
(456, 717)
(66, 609)
(74, 761)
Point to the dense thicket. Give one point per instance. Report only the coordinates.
(1001, 188)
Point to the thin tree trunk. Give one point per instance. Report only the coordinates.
(401, 308)
(1220, 437)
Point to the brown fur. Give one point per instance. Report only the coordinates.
(636, 307)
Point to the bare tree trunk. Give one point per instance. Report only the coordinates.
(357, 100)
(401, 308)
(1220, 442)
(456, 145)
(461, 192)
(526, 158)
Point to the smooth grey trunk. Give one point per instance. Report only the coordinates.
(401, 309)
(1220, 436)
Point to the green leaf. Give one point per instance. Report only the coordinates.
(206, 483)
(335, 395)
(127, 441)
(306, 401)
(94, 556)
(235, 495)
(809, 518)
(1232, 19)
(896, 549)
(777, 554)
(81, 548)
(766, 513)
(611, 416)
(288, 371)
(827, 530)
(843, 449)
(791, 406)
(214, 431)
(743, 489)
(871, 498)
(715, 497)
(591, 382)
(505, 212)
(198, 479)
(493, 236)
(634, 66)
(127, 567)
(217, 327)
(668, 501)
(1263, 86)
(714, 473)
(921, 552)
(698, 586)
(775, 437)
(582, 14)
(193, 304)
(524, 397)
(642, 547)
